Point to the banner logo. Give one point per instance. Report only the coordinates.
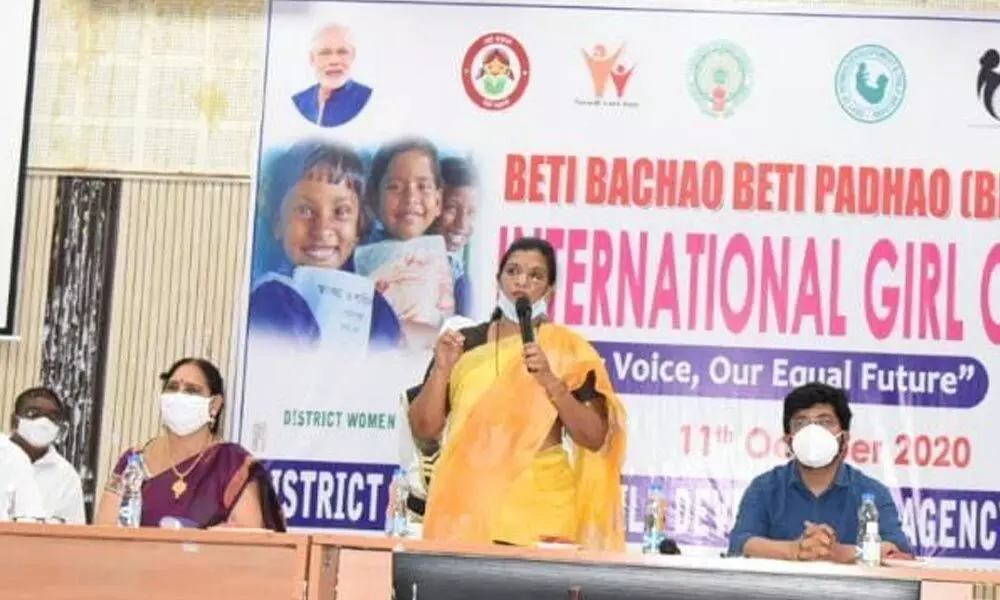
(870, 83)
(608, 72)
(495, 71)
(719, 77)
(988, 80)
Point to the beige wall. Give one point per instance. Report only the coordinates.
(166, 91)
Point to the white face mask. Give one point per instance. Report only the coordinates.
(814, 446)
(184, 414)
(509, 309)
(39, 433)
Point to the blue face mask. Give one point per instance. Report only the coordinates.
(509, 311)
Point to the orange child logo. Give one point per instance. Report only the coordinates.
(604, 67)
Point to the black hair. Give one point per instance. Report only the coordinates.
(528, 244)
(345, 167)
(39, 392)
(212, 377)
(810, 395)
(383, 159)
(457, 172)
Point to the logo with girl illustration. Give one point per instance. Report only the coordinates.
(361, 253)
(495, 71)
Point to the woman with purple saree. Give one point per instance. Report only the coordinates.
(190, 475)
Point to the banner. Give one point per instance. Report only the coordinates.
(742, 202)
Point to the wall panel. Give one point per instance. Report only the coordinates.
(178, 274)
(79, 297)
(174, 85)
(21, 359)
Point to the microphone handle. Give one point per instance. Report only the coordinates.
(527, 331)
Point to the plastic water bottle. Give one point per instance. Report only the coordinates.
(869, 541)
(130, 511)
(396, 521)
(170, 522)
(654, 528)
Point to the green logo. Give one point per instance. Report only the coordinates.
(870, 83)
(719, 77)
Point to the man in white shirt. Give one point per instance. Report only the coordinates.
(19, 494)
(39, 418)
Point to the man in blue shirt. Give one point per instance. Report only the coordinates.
(336, 98)
(807, 509)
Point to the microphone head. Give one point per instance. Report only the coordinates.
(523, 307)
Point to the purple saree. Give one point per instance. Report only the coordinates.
(213, 487)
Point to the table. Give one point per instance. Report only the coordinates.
(66, 562)
(58, 562)
(356, 568)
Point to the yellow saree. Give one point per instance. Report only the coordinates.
(494, 482)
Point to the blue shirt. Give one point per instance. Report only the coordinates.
(463, 303)
(343, 104)
(777, 504)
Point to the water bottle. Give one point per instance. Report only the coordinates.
(130, 511)
(171, 522)
(396, 522)
(869, 541)
(654, 527)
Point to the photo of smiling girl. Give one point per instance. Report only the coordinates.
(407, 257)
(312, 208)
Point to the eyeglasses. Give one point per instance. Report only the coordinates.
(535, 276)
(828, 422)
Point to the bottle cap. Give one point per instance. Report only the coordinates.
(171, 522)
(867, 497)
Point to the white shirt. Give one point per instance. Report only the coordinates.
(17, 477)
(61, 488)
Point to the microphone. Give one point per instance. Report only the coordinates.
(523, 308)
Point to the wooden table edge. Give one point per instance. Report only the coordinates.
(195, 536)
(383, 544)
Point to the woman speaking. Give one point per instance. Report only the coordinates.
(503, 399)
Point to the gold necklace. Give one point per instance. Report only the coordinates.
(179, 485)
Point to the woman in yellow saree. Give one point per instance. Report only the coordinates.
(501, 408)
